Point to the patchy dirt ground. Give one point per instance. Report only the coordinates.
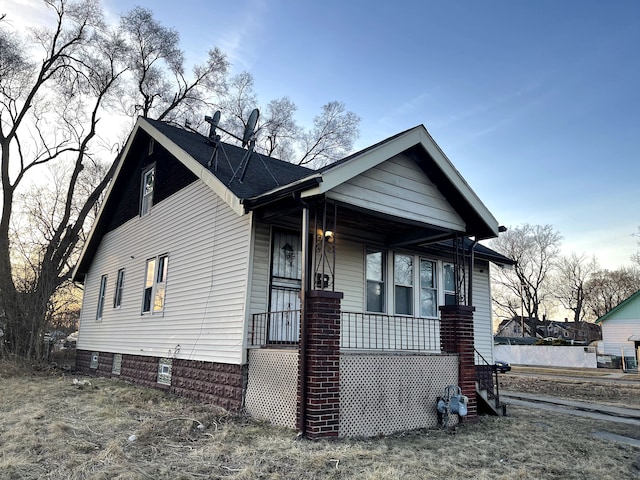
(51, 427)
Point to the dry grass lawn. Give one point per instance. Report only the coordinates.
(51, 429)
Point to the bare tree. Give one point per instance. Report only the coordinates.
(50, 112)
(331, 137)
(160, 88)
(570, 281)
(606, 289)
(535, 249)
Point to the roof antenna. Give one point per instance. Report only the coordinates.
(214, 138)
(249, 138)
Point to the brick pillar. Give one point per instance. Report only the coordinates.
(323, 364)
(456, 336)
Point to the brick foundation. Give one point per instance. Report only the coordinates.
(323, 364)
(208, 382)
(456, 336)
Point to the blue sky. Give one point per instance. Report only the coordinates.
(536, 103)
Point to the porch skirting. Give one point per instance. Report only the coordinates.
(380, 393)
(213, 383)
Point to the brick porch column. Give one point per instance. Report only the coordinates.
(323, 364)
(456, 336)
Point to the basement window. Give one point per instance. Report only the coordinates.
(116, 368)
(164, 371)
(94, 361)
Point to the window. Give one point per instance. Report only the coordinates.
(449, 284)
(155, 284)
(419, 285)
(146, 194)
(403, 280)
(103, 291)
(375, 281)
(117, 297)
(428, 289)
(164, 371)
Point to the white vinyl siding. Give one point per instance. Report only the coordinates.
(482, 317)
(204, 311)
(259, 302)
(617, 329)
(349, 277)
(399, 187)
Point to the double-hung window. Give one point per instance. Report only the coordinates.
(117, 296)
(375, 281)
(403, 280)
(449, 284)
(418, 285)
(101, 295)
(428, 288)
(146, 190)
(155, 285)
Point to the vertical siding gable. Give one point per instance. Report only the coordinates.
(399, 187)
(204, 313)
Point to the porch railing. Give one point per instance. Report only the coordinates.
(369, 331)
(363, 331)
(275, 328)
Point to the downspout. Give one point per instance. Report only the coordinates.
(471, 267)
(303, 318)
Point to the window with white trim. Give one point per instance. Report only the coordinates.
(375, 268)
(403, 283)
(101, 295)
(419, 285)
(428, 288)
(155, 285)
(449, 279)
(146, 190)
(117, 296)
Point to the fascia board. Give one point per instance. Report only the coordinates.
(371, 158)
(98, 218)
(341, 173)
(195, 167)
(457, 179)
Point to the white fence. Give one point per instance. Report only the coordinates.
(546, 355)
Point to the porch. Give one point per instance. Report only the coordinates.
(358, 374)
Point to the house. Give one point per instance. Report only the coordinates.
(576, 332)
(303, 296)
(621, 332)
(512, 328)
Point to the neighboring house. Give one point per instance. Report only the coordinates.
(331, 300)
(512, 327)
(581, 332)
(621, 331)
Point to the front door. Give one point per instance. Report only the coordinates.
(286, 280)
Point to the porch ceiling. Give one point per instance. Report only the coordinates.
(394, 231)
(360, 223)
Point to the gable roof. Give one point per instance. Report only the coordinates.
(618, 307)
(262, 174)
(245, 184)
(418, 144)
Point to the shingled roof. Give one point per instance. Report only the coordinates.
(263, 173)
